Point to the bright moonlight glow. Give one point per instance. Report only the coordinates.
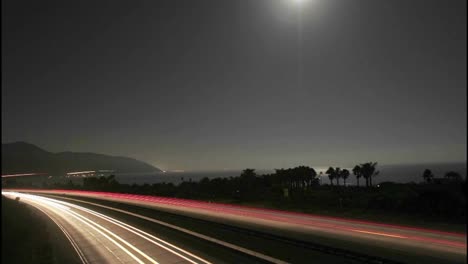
(300, 3)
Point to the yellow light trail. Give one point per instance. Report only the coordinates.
(375, 233)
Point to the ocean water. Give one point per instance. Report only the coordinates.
(178, 177)
(393, 173)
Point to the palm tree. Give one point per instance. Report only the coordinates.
(345, 174)
(427, 175)
(331, 174)
(368, 171)
(311, 176)
(337, 175)
(357, 173)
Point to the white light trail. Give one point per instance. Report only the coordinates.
(96, 227)
(131, 229)
(66, 208)
(22, 174)
(80, 172)
(142, 234)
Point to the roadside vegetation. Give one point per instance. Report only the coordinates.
(436, 202)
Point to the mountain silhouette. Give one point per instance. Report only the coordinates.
(23, 157)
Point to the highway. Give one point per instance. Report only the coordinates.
(98, 238)
(296, 238)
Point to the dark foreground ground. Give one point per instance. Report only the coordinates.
(28, 236)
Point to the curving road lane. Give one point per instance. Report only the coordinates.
(402, 243)
(98, 238)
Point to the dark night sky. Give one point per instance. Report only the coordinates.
(232, 84)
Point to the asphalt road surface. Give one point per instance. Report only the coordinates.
(98, 238)
(104, 239)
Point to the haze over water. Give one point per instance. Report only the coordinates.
(394, 173)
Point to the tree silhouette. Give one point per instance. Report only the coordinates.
(357, 173)
(344, 174)
(331, 174)
(301, 177)
(308, 176)
(368, 171)
(427, 175)
(248, 173)
(337, 175)
(246, 182)
(453, 175)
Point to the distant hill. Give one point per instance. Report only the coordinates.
(22, 157)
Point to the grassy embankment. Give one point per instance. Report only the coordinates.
(379, 216)
(397, 204)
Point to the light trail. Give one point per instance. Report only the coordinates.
(80, 172)
(96, 227)
(69, 209)
(136, 231)
(22, 174)
(40, 201)
(375, 233)
(146, 237)
(313, 221)
(240, 209)
(192, 233)
(428, 242)
(69, 237)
